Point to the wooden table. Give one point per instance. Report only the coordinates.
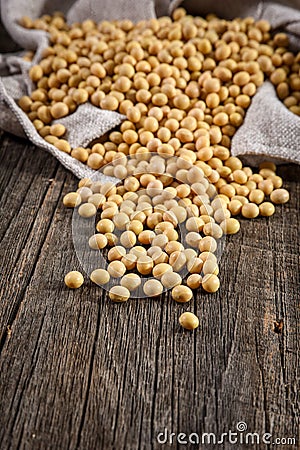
(78, 372)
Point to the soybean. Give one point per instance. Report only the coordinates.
(182, 294)
(74, 279)
(119, 294)
(189, 321)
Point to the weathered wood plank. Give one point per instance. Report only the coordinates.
(52, 337)
(77, 372)
(27, 206)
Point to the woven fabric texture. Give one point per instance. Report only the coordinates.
(269, 131)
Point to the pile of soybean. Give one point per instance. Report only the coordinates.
(184, 84)
(163, 222)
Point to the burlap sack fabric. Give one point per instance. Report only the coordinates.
(270, 131)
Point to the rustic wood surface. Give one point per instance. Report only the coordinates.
(78, 372)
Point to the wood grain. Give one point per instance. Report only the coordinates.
(77, 372)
